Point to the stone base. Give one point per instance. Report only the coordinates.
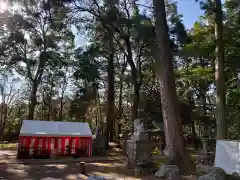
(203, 169)
(140, 137)
(168, 171)
(215, 174)
(138, 151)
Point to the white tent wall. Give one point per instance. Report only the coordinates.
(55, 128)
(53, 137)
(228, 156)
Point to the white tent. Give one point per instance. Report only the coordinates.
(55, 128)
(228, 156)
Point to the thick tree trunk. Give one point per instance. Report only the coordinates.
(171, 113)
(32, 102)
(109, 132)
(110, 95)
(219, 74)
(36, 81)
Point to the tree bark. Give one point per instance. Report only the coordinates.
(219, 74)
(203, 100)
(50, 104)
(35, 83)
(33, 102)
(120, 109)
(60, 117)
(109, 132)
(136, 97)
(135, 76)
(171, 113)
(110, 95)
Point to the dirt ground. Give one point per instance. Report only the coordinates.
(67, 171)
(10, 169)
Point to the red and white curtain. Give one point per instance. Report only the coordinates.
(56, 144)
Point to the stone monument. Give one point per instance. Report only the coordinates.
(138, 147)
(138, 131)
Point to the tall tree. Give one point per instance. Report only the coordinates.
(111, 14)
(36, 37)
(170, 107)
(219, 73)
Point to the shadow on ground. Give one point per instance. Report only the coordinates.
(65, 171)
(69, 170)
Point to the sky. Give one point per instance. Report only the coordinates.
(188, 8)
(190, 11)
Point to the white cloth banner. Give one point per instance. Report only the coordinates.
(228, 156)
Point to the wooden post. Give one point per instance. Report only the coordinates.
(82, 167)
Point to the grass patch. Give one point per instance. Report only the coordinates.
(7, 146)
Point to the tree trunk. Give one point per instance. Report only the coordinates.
(109, 135)
(136, 84)
(33, 102)
(121, 89)
(50, 104)
(60, 118)
(136, 96)
(110, 95)
(36, 81)
(219, 74)
(120, 109)
(171, 113)
(203, 99)
(194, 136)
(3, 121)
(99, 107)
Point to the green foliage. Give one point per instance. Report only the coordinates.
(87, 66)
(33, 30)
(38, 45)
